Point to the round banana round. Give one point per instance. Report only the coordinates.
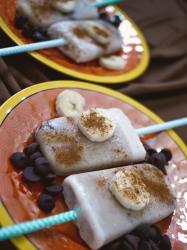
(98, 32)
(64, 6)
(129, 190)
(112, 62)
(97, 125)
(69, 103)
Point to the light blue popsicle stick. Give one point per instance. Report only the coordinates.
(35, 225)
(106, 2)
(163, 126)
(31, 47)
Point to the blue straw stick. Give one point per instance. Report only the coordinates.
(106, 2)
(163, 126)
(35, 225)
(31, 47)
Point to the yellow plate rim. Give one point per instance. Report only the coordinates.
(22, 242)
(139, 70)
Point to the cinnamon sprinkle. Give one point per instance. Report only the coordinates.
(101, 31)
(70, 150)
(102, 182)
(157, 186)
(151, 179)
(137, 181)
(79, 32)
(95, 122)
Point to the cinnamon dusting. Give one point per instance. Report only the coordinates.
(101, 31)
(67, 148)
(81, 33)
(96, 122)
(137, 181)
(101, 182)
(156, 186)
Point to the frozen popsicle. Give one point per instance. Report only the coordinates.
(44, 13)
(102, 216)
(86, 40)
(71, 145)
(39, 13)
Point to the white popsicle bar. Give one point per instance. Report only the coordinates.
(102, 218)
(69, 151)
(80, 46)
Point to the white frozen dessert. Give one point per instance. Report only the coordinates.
(84, 10)
(39, 13)
(44, 13)
(102, 218)
(78, 9)
(69, 151)
(86, 40)
(64, 6)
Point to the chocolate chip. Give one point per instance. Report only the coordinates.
(30, 176)
(142, 231)
(167, 153)
(158, 160)
(154, 246)
(133, 240)
(144, 245)
(46, 202)
(27, 31)
(116, 20)
(49, 178)
(165, 243)
(35, 156)
(155, 233)
(126, 245)
(54, 189)
(31, 149)
(112, 246)
(20, 20)
(104, 16)
(20, 160)
(38, 36)
(146, 146)
(42, 166)
(151, 151)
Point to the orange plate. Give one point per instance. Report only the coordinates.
(135, 50)
(19, 118)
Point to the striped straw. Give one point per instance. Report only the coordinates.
(46, 44)
(35, 225)
(161, 127)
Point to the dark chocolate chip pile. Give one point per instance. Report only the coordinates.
(158, 159)
(144, 237)
(36, 169)
(28, 31)
(114, 20)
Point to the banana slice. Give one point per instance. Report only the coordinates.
(129, 190)
(97, 125)
(98, 32)
(66, 6)
(112, 62)
(69, 103)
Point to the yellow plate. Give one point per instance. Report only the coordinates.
(135, 49)
(95, 95)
